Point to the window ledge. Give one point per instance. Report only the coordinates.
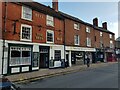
(27, 19)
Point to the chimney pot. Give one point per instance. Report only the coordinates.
(95, 22)
(55, 5)
(104, 25)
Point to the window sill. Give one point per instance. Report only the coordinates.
(27, 19)
(50, 25)
(25, 40)
(50, 42)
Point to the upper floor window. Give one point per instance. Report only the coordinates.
(111, 44)
(101, 34)
(76, 26)
(26, 13)
(26, 32)
(87, 29)
(88, 42)
(50, 20)
(76, 39)
(50, 36)
(110, 35)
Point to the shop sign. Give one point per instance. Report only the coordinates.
(80, 49)
(39, 36)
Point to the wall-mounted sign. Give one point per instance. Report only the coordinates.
(59, 38)
(39, 36)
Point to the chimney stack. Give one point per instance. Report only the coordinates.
(55, 5)
(104, 25)
(95, 22)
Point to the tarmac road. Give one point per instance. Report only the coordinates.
(100, 77)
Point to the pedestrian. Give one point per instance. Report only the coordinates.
(88, 62)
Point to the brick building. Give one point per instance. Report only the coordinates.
(83, 39)
(35, 36)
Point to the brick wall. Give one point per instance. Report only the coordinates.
(14, 12)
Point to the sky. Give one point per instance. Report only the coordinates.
(86, 11)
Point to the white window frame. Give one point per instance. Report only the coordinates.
(49, 19)
(101, 34)
(111, 44)
(28, 26)
(23, 13)
(75, 37)
(76, 26)
(21, 58)
(88, 29)
(88, 42)
(52, 32)
(110, 35)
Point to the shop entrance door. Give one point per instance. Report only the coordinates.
(44, 57)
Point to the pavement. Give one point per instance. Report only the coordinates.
(45, 73)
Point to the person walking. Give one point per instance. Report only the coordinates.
(88, 62)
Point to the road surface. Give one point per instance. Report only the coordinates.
(101, 77)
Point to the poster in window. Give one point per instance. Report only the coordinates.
(35, 59)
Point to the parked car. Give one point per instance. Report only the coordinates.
(6, 84)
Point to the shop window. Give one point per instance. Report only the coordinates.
(26, 13)
(26, 32)
(50, 36)
(50, 20)
(57, 55)
(20, 56)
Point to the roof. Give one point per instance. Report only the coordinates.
(118, 39)
(80, 21)
(42, 8)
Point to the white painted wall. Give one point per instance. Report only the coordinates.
(5, 59)
(0, 56)
(36, 49)
(70, 62)
(53, 48)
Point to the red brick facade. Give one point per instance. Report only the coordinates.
(14, 12)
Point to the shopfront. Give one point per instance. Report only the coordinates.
(76, 55)
(20, 59)
(110, 53)
(100, 55)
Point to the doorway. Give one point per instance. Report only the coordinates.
(44, 57)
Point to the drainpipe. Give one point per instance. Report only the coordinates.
(3, 36)
(64, 43)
